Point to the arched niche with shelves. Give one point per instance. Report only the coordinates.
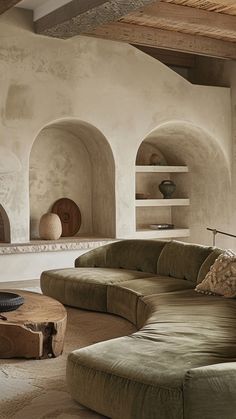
(197, 165)
(153, 167)
(73, 159)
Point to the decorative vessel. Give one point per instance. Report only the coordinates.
(50, 227)
(10, 301)
(155, 159)
(167, 188)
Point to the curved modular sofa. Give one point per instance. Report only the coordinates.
(180, 363)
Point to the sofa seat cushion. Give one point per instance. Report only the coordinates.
(202, 326)
(122, 298)
(141, 376)
(84, 287)
(122, 378)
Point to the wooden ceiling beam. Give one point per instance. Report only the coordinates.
(164, 39)
(82, 16)
(7, 4)
(185, 19)
(210, 3)
(172, 58)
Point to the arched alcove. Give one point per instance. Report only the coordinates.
(73, 159)
(5, 235)
(207, 183)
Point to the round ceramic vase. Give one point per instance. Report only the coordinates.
(50, 227)
(167, 188)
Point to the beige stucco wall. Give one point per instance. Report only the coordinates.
(222, 73)
(122, 92)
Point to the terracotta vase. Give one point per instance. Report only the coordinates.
(50, 227)
(167, 188)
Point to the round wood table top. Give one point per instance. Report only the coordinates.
(37, 308)
(35, 330)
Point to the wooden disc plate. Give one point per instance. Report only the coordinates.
(69, 214)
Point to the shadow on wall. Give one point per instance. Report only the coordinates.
(73, 159)
(5, 235)
(208, 183)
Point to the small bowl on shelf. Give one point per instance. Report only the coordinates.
(140, 195)
(163, 226)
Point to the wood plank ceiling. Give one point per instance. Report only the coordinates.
(195, 27)
(198, 27)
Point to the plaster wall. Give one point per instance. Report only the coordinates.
(223, 73)
(119, 90)
(17, 267)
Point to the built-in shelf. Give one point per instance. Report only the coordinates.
(162, 234)
(158, 210)
(161, 169)
(161, 202)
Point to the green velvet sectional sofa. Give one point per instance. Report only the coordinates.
(180, 364)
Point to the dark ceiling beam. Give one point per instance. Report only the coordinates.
(7, 4)
(165, 39)
(83, 16)
(170, 58)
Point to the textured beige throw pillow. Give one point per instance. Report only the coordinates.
(221, 279)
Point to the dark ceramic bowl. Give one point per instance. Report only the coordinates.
(10, 301)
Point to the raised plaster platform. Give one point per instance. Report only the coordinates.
(26, 261)
(38, 246)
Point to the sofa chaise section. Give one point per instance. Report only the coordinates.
(145, 375)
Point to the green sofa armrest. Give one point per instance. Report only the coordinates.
(94, 258)
(210, 392)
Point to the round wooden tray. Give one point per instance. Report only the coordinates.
(69, 214)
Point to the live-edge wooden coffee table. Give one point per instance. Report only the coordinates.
(34, 330)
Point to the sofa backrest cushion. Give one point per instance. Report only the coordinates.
(139, 255)
(182, 260)
(205, 268)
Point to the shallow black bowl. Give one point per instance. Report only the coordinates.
(10, 301)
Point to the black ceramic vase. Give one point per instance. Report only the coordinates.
(167, 188)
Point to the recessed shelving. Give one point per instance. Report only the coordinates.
(159, 234)
(161, 169)
(161, 202)
(157, 209)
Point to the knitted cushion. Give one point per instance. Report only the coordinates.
(221, 279)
